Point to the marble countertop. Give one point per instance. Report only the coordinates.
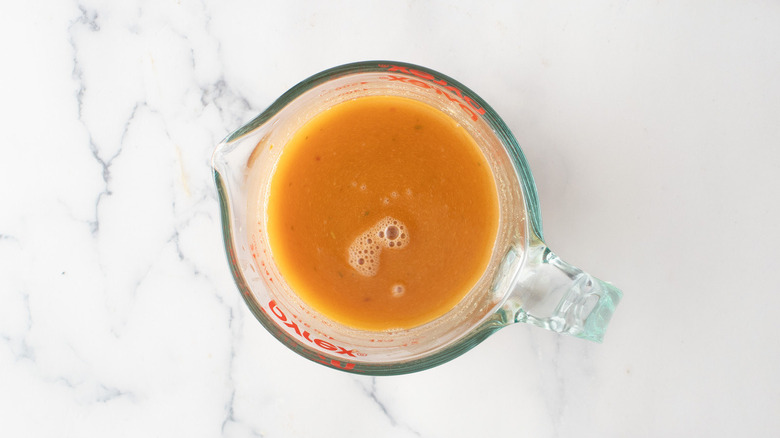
(652, 128)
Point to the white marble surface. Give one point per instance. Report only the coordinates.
(652, 128)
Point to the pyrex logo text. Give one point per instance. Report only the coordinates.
(473, 108)
(325, 345)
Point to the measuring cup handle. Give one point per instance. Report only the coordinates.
(557, 296)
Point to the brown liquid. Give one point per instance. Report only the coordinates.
(382, 213)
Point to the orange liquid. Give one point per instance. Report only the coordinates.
(353, 173)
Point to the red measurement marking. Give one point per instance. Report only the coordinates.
(470, 108)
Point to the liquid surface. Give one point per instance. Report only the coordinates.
(382, 213)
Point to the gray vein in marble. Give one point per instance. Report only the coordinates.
(22, 350)
(89, 19)
(371, 391)
(232, 107)
(230, 417)
(102, 392)
(107, 394)
(565, 362)
(20, 346)
(551, 388)
(557, 406)
(105, 164)
(176, 240)
(233, 327)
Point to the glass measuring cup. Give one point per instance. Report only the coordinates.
(524, 280)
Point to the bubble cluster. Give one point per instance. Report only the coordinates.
(365, 250)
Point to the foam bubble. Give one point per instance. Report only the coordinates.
(365, 250)
(392, 231)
